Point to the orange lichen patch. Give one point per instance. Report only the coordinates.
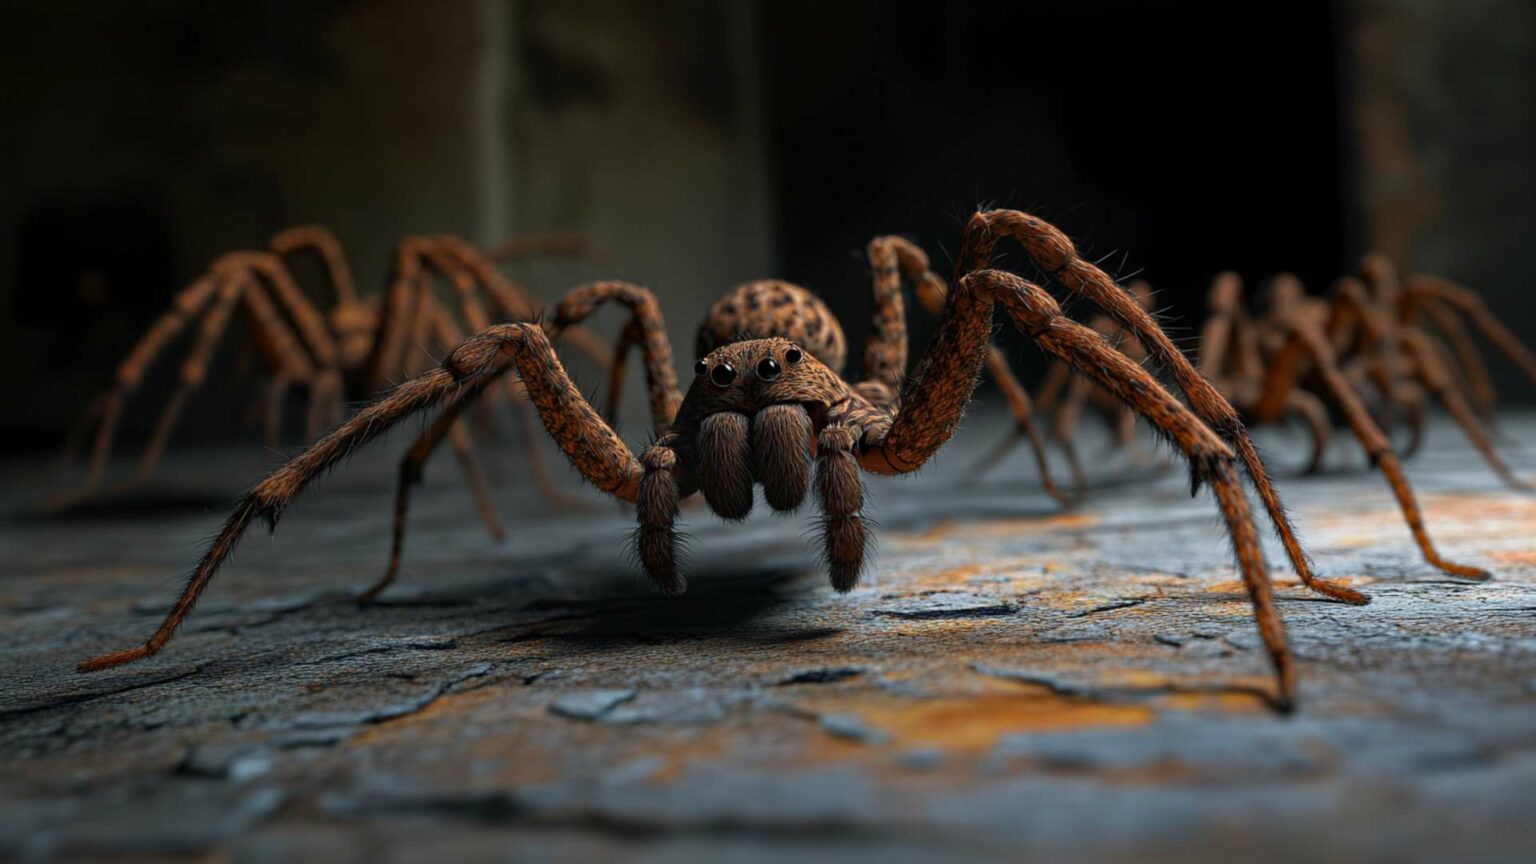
(1514, 557)
(945, 528)
(972, 723)
(708, 745)
(1452, 516)
(950, 577)
(1232, 701)
(1235, 586)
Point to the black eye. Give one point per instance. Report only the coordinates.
(792, 356)
(700, 368)
(768, 369)
(723, 375)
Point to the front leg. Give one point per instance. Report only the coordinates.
(948, 375)
(598, 453)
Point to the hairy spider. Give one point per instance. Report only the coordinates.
(1335, 346)
(359, 347)
(766, 408)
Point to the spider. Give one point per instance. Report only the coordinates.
(1259, 363)
(355, 350)
(766, 408)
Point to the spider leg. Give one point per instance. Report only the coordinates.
(400, 299)
(578, 303)
(189, 305)
(1024, 427)
(446, 423)
(282, 350)
(1305, 341)
(1314, 415)
(1054, 253)
(1413, 400)
(885, 350)
(512, 301)
(1469, 362)
(324, 243)
(1431, 370)
(932, 407)
(629, 337)
(1466, 302)
(656, 511)
(414, 462)
(272, 414)
(195, 368)
(307, 323)
(885, 354)
(599, 454)
(1064, 427)
(645, 316)
(841, 493)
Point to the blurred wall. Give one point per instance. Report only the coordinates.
(701, 143)
(1443, 155)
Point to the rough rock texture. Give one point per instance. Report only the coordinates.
(1010, 679)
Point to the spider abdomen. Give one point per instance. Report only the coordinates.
(768, 309)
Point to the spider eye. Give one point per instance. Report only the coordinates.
(792, 356)
(723, 375)
(768, 369)
(700, 368)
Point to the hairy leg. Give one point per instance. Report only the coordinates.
(915, 434)
(1430, 368)
(1466, 302)
(1314, 415)
(513, 302)
(885, 350)
(891, 258)
(1308, 342)
(1019, 405)
(1053, 252)
(195, 368)
(841, 493)
(1474, 371)
(656, 541)
(588, 442)
(188, 306)
(324, 243)
(645, 316)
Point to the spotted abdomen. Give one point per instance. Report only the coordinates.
(770, 309)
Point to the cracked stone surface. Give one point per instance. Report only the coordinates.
(1010, 681)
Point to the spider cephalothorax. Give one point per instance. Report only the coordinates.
(762, 409)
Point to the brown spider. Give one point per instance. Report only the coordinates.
(765, 405)
(355, 350)
(1336, 347)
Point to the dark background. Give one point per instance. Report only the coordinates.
(705, 143)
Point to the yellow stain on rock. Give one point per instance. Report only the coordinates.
(972, 723)
(946, 528)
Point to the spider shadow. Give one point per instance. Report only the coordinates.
(726, 603)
